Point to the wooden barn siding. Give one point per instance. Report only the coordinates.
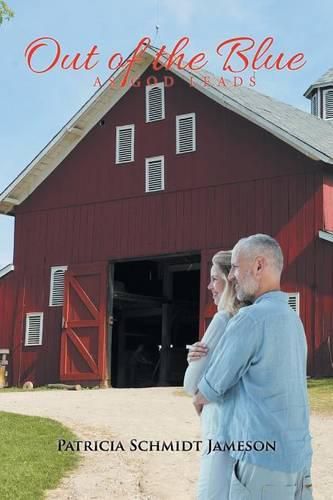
(328, 202)
(323, 362)
(171, 222)
(8, 310)
(229, 150)
(40, 237)
(196, 220)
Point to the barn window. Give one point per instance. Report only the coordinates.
(185, 133)
(125, 144)
(293, 301)
(57, 285)
(328, 104)
(155, 102)
(314, 104)
(154, 174)
(33, 329)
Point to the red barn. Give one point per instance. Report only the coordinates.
(117, 219)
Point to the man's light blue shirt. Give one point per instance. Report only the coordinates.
(258, 375)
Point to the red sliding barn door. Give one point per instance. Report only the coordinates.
(83, 339)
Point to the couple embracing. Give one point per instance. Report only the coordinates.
(248, 378)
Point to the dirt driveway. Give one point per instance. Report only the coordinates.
(144, 414)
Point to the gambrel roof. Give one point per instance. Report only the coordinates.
(306, 133)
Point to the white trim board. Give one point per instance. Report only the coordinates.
(326, 235)
(6, 270)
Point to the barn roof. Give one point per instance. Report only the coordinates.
(303, 131)
(325, 80)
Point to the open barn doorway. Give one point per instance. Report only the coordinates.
(155, 315)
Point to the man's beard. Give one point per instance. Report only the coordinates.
(247, 291)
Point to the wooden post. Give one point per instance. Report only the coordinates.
(166, 326)
(165, 349)
(109, 323)
(121, 351)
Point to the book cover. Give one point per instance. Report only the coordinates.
(138, 140)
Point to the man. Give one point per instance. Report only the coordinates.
(258, 374)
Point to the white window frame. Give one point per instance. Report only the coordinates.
(297, 296)
(28, 315)
(148, 89)
(319, 104)
(118, 129)
(326, 91)
(147, 161)
(178, 118)
(315, 96)
(53, 271)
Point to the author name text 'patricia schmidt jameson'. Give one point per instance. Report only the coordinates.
(143, 445)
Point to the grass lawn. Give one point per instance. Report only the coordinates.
(321, 395)
(29, 460)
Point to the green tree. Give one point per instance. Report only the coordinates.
(5, 12)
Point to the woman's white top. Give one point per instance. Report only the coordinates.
(197, 368)
(212, 422)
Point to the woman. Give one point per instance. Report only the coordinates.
(215, 467)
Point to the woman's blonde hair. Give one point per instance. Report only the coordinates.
(228, 301)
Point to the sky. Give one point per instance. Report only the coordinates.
(34, 107)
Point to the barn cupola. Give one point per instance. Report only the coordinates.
(321, 95)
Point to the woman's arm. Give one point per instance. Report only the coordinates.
(197, 351)
(196, 369)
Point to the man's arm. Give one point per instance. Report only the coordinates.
(231, 359)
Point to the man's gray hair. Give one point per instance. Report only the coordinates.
(263, 244)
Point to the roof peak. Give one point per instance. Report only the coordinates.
(325, 80)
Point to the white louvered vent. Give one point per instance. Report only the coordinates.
(155, 102)
(125, 144)
(293, 301)
(328, 104)
(154, 174)
(185, 133)
(34, 329)
(314, 104)
(57, 285)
